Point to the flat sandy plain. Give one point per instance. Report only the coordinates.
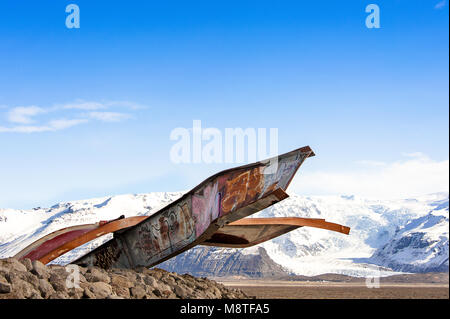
(416, 286)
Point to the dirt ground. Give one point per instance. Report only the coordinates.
(330, 290)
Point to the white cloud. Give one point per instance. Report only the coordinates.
(416, 175)
(440, 4)
(93, 105)
(23, 121)
(371, 163)
(127, 104)
(23, 129)
(415, 154)
(108, 116)
(81, 105)
(24, 114)
(63, 123)
(52, 126)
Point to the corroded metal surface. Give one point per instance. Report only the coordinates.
(223, 198)
(61, 241)
(53, 240)
(252, 231)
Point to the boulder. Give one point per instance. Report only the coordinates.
(24, 289)
(27, 263)
(137, 292)
(45, 288)
(99, 289)
(39, 269)
(121, 281)
(182, 292)
(5, 287)
(58, 283)
(121, 291)
(97, 275)
(12, 264)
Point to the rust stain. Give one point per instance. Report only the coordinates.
(244, 187)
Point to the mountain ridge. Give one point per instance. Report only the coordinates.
(376, 244)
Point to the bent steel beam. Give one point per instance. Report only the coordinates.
(252, 231)
(61, 241)
(192, 219)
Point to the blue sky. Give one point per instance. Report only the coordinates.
(88, 112)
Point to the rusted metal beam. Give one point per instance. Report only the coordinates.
(294, 221)
(221, 199)
(61, 241)
(252, 231)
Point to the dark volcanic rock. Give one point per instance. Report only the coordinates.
(38, 281)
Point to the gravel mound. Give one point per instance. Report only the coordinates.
(34, 280)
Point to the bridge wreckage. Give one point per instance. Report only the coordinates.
(213, 214)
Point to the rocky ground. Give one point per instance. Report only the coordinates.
(27, 279)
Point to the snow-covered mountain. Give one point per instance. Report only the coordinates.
(419, 246)
(386, 235)
(374, 225)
